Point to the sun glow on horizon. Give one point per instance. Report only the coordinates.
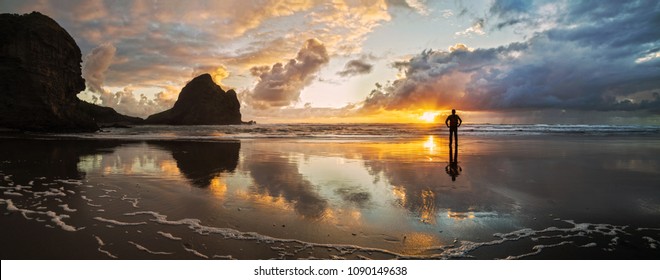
(429, 117)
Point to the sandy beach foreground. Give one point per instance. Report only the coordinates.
(545, 197)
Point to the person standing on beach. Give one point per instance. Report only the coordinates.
(453, 121)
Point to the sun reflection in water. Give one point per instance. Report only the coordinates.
(430, 147)
(430, 144)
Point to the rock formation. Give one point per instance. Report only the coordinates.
(106, 116)
(201, 102)
(40, 76)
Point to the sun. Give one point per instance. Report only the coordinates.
(429, 117)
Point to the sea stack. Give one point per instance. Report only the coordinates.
(201, 102)
(40, 76)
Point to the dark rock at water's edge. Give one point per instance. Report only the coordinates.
(108, 117)
(201, 102)
(40, 76)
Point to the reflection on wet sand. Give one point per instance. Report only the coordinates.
(332, 181)
(391, 195)
(277, 177)
(202, 162)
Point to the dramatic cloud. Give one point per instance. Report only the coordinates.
(280, 85)
(355, 67)
(603, 58)
(96, 64)
(525, 54)
(161, 44)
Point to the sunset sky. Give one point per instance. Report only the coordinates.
(509, 61)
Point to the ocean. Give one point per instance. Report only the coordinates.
(347, 131)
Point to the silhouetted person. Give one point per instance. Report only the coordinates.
(453, 121)
(453, 169)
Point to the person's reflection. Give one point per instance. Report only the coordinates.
(453, 169)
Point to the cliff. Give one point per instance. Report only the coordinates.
(201, 102)
(40, 76)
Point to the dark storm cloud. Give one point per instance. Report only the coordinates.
(607, 60)
(355, 67)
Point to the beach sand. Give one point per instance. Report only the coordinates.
(546, 197)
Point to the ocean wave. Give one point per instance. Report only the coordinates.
(350, 131)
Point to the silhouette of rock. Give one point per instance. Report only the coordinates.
(201, 102)
(106, 116)
(40, 76)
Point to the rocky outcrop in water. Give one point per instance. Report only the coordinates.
(40, 76)
(201, 102)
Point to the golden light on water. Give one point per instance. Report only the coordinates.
(418, 242)
(460, 215)
(265, 200)
(399, 193)
(430, 145)
(428, 209)
(218, 187)
(170, 168)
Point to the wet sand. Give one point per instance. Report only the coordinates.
(547, 197)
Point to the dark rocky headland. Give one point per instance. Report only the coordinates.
(40, 77)
(201, 102)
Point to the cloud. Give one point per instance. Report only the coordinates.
(306, 114)
(476, 28)
(218, 73)
(510, 7)
(355, 67)
(126, 102)
(345, 24)
(95, 65)
(280, 85)
(535, 16)
(580, 64)
(416, 5)
(163, 43)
